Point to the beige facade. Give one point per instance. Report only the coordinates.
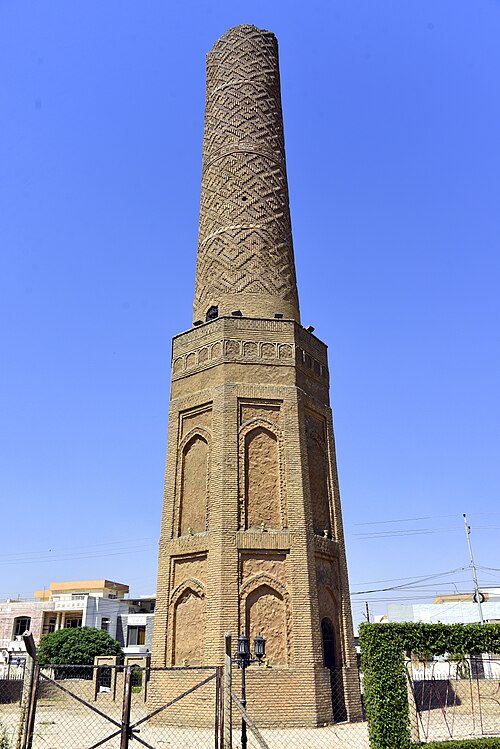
(101, 588)
(252, 537)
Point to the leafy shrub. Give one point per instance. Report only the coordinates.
(464, 744)
(384, 674)
(76, 646)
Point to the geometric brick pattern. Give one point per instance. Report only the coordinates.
(245, 238)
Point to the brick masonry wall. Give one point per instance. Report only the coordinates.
(10, 610)
(210, 566)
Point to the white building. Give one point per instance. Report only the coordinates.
(453, 608)
(101, 604)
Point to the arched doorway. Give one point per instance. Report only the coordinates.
(330, 662)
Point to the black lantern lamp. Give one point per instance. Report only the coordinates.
(259, 648)
(244, 659)
(243, 655)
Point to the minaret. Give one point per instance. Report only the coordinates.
(245, 250)
(252, 537)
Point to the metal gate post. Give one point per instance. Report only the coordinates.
(219, 707)
(25, 702)
(227, 738)
(127, 699)
(27, 688)
(30, 722)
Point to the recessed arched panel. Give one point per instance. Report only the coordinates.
(329, 646)
(193, 499)
(262, 490)
(331, 662)
(318, 486)
(266, 615)
(189, 629)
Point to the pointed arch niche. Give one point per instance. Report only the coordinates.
(262, 490)
(319, 480)
(193, 483)
(265, 610)
(188, 631)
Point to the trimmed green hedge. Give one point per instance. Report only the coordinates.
(384, 675)
(467, 744)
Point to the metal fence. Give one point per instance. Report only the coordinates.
(454, 698)
(85, 707)
(11, 690)
(269, 724)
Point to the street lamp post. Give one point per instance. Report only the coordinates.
(243, 658)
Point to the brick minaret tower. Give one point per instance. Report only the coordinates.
(252, 536)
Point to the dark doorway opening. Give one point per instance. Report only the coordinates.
(331, 663)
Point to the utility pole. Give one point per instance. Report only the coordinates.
(367, 611)
(477, 594)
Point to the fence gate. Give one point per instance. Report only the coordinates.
(455, 699)
(114, 707)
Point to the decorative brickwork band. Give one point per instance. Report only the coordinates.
(245, 251)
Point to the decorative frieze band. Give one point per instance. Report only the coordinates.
(233, 349)
(275, 540)
(326, 546)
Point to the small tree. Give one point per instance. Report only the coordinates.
(76, 646)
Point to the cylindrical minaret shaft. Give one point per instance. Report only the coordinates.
(245, 251)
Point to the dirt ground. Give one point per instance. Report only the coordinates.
(76, 727)
(69, 725)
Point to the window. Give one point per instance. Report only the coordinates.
(105, 622)
(21, 624)
(136, 635)
(73, 622)
(112, 595)
(49, 624)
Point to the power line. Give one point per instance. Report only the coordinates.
(76, 548)
(404, 520)
(76, 557)
(425, 517)
(419, 580)
(396, 534)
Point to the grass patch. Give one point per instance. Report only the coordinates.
(490, 743)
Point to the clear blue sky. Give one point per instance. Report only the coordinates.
(392, 122)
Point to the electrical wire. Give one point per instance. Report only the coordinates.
(425, 517)
(70, 558)
(76, 548)
(406, 587)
